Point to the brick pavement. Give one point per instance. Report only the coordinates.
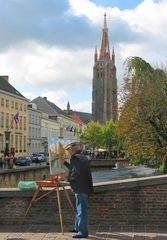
(100, 232)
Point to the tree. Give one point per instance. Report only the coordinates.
(143, 116)
(92, 135)
(109, 135)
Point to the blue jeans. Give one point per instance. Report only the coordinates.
(81, 219)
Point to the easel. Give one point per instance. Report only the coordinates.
(55, 187)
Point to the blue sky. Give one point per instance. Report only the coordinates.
(121, 4)
(47, 47)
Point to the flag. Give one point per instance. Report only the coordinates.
(16, 117)
(68, 128)
(75, 131)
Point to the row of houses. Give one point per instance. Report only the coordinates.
(25, 126)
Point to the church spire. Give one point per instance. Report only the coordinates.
(113, 56)
(105, 49)
(95, 55)
(68, 108)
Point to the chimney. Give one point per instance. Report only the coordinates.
(45, 98)
(6, 78)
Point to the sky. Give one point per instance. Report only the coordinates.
(47, 46)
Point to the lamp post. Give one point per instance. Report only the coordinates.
(7, 139)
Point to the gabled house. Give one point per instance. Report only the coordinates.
(13, 119)
(68, 127)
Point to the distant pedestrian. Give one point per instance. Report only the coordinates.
(1, 161)
(7, 161)
(11, 161)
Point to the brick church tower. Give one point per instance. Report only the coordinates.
(104, 92)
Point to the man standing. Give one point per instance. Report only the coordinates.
(80, 179)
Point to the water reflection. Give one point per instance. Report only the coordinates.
(102, 175)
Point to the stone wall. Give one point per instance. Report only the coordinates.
(134, 201)
(10, 178)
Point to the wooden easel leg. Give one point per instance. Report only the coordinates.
(30, 204)
(69, 201)
(60, 212)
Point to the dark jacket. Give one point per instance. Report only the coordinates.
(80, 176)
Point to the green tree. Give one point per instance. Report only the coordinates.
(92, 136)
(109, 135)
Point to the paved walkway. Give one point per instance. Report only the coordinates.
(51, 232)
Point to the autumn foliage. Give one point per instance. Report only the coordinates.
(142, 124)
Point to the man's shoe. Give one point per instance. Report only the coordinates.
(73, 231)
(79, 236)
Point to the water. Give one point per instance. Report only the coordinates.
(105, 174)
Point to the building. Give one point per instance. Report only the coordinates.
(13, 119)
(85, 117)
(66, 126)
(34, 129)
(50, 128)
(104, 89)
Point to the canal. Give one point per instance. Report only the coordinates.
(105, 174)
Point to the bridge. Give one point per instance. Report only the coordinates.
(112, 162)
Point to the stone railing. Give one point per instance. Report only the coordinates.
(112, 162)
(11, 177)
(133, 201)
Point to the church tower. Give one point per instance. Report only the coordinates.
(104, 92)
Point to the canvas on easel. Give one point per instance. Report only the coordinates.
(58, 171)
(56, 148)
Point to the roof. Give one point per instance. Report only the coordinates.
(48, 107)
(85, 117)
(7, 87)
(77, 118)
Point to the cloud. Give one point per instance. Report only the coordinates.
(47, 47)
(84, 106)
(41, 66)
(59, 97)
(42, 21)
(138, 31)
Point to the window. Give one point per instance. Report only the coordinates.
(12, 104)
(2, 102)
(21, 106)
(29, 118)
(30, 136)
(16, 143)
(2, 119)
(7, 120)
(1, 142)
(24, 123)
(25, 107)
(25, 142)
(16, 105)
(32, 120)
(11, 115)
(11, 140)
(20, 123)
(20, 143)
(7, 103)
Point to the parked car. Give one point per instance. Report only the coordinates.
(38, 158)
(23, 161)
(45, 154)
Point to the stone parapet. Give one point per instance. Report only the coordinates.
(132, 201)
(11, 177)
